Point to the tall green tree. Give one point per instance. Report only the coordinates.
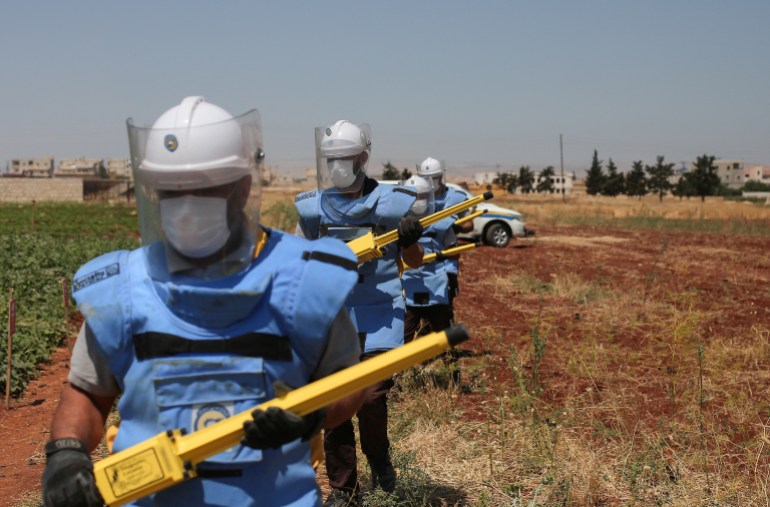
(545, 180)
(683, 186)
(595, 176)
(704, 178)
(659, 175)
(390, 172)
(526, 179)
(615, 183)
(636, 180)
(406, 174)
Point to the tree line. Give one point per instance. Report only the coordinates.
(701, 181)
(643, 179)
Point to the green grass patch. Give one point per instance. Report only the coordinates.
(40, 246)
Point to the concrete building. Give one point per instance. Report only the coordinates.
(484, 178)
(731, 172)
(119, 168)
(30, 168)
(560, 185)
(79, 167)
(760, 173)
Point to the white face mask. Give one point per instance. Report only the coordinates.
(342, 172)
(195, 226)
(420, 206)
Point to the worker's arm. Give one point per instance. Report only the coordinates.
(344, 409)
(68, 479)
(81, 415)
(342, 351)
(464, 227)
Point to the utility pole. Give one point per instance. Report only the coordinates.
(563, 183)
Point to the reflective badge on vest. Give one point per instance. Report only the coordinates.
(206, 414)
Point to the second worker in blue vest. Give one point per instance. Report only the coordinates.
(346, 205)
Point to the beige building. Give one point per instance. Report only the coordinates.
(759, 173)
(484, 178)
(119, 168)
(561, 185)
(731, 172)
(79, 167)
(30, 168)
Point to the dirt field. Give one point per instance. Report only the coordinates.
(646, 352)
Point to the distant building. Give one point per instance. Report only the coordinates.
(731, 172)
(560, 185)
(30, 168)
(759, 173)
(79, 167)
(119, 168)
(484, 178)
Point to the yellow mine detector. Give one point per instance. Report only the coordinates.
(470, 216)
(367, 247)
(446, 253)
(170, 458)
(450, 251)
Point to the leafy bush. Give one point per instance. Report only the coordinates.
(40, 246)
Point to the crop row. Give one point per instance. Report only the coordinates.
(40, 246)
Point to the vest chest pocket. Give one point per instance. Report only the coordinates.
(193, 393)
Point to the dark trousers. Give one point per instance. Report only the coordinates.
(340, 442)
(436, 318)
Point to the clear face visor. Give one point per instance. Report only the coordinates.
(424, 203)
(340, 165)
(198, 190)
(437, 181)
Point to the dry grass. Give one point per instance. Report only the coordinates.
(606, 394)
(544, 208)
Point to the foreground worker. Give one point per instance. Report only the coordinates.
(212, 316)
(346, 205)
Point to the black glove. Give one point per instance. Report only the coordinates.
(409, 231)
(274, 427)
(68, 478)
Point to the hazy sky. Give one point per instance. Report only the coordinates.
(483, 85)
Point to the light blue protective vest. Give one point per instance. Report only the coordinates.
(376, 304)
(188, 352)
(428, 284)
(450, 198)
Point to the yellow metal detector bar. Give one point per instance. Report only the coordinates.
(170, 458)
(450, 251)
(446, 253)
(468, 218)
(367, 247)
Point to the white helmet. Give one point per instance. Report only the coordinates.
(191, 147)
(345, 139)
(338, 155)
(431, 167)
(424, 203)
(195, 145)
